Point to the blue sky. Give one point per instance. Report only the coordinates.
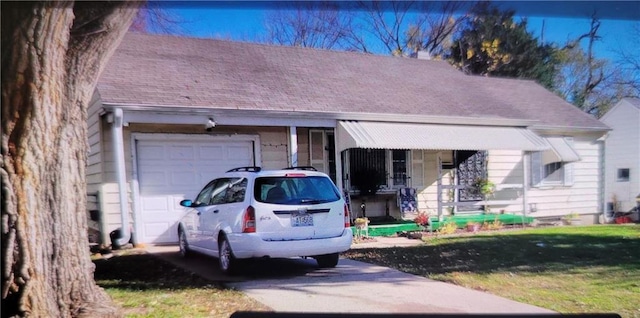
(244, 20)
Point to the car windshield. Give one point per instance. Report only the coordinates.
(295, 190)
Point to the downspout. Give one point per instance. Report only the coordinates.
(121, 179)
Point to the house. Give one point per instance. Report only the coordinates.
(622, 155)
(169, 113)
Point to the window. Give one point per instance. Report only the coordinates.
(553, 173)
(623, 175)
(219, 191)
(295, 190)
(370, 168)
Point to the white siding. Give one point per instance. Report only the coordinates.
(94, 158)
(583, 196)
(622, 150)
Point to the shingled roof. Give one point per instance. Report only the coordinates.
(174, 71)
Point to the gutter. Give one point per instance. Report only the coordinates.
(121, 179)
(220, 113)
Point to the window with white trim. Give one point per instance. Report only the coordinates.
(550, 174)
(623, 175)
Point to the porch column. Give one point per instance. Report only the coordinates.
(525, 182)
(293, 146)
(338, 158)
(439, 185)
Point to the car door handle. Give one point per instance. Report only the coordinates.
(216, 211)
(199, 212)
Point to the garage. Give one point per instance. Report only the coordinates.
(171, 168)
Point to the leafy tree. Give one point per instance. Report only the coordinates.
(491, 43)
(52, 55)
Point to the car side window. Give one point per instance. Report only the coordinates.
(236, 191)
(220, 191)
(204, 197)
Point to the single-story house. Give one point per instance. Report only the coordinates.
(170, 113)
(622, 155)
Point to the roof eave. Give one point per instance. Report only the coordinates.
(381, 117)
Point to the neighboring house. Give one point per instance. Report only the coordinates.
(622, 155)
(412, 123)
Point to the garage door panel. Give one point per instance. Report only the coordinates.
(152, 152)
(154, 178)
(242, 153)
(213, 153)
(172, 170)
(154, 204)
(184, 178)
(162, 231)
(181, 153)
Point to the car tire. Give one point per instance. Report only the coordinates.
(226, 260)
(328, 260)
(183, 244)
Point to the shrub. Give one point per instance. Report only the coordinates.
(448, 227)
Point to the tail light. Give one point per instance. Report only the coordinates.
(347, 220)
(249, 220)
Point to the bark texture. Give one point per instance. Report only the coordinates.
(52, 55)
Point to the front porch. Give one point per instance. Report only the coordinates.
(386, 227)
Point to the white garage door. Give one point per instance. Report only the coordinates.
(170, 171)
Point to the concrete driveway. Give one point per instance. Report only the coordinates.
(297, 285)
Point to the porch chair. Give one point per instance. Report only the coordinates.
(408, 203)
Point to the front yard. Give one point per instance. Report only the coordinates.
(146, 286)
(590, 269)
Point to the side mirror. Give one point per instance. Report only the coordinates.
(186, 203)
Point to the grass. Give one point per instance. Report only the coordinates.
(146, 286)
(589, 269)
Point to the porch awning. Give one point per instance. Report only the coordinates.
(560, 151)
(384, 135)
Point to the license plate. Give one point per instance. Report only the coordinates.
(302, 220)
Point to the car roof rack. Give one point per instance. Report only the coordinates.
(308, 168)
(245, 169)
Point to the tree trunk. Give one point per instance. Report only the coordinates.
(52, 55)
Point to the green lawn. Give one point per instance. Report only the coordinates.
(146, 286)
(589, 269)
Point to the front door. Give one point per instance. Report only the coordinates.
(470, 166)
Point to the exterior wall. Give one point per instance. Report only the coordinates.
(584, 196)
(428, 189)
(622, 150)
(94, 167)
(506, 167)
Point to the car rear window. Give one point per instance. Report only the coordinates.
(295, 190)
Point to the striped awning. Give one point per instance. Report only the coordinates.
(385, 135)
(560, 151)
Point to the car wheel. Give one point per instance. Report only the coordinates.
(184, 245)
(225, 257)
(328, 260)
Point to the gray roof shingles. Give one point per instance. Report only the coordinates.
(178, 71)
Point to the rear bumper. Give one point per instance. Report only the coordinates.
(250, 245)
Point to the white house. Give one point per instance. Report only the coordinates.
(397, 122)
(622, 155)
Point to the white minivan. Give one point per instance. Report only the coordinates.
(249, 212)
